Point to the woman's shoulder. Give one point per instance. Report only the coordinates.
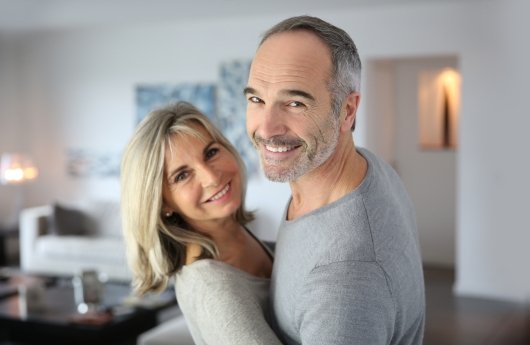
(213, 275)
(205, 273)
(209, 281)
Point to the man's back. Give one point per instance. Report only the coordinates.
(350, 272)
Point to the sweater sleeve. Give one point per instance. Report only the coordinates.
(346, 303)
(223, 311)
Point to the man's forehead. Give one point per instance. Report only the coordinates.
(285, 58)
(294, 43)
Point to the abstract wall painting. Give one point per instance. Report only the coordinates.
(92, 163)
(231, 110)
(150, 97)
(223, 102)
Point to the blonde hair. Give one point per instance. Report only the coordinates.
(156, 244)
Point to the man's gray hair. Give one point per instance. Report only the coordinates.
(346, 64)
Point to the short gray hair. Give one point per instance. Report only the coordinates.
(346, 64)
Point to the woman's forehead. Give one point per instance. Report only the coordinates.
(187, 142)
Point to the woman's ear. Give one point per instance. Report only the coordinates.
(167, 211)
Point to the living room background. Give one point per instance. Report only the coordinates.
(64, 88)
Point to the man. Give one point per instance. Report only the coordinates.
(347, 267)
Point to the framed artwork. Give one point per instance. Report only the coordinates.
(150, 97)
(92, 163)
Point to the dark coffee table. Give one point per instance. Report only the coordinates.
(5, 235)
(58, 322)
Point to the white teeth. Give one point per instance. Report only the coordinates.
(278, 149)
(220, 194)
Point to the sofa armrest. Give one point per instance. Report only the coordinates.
(32, 224)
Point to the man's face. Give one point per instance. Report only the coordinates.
(289, 117)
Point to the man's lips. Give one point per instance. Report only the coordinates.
(278, 144)
(279, 149)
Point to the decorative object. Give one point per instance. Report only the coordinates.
(31, 298)
(439, 102)
(88, 291)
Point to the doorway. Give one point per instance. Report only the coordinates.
(392, 132)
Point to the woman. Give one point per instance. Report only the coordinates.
(183, 191)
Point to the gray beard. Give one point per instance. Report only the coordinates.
(306, 162)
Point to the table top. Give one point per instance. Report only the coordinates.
(59, 306)
(58, 321)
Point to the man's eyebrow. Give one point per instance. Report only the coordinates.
(248, 90)
(294, 92)
(299, 93)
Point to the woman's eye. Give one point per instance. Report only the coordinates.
(212, 152)
(181, 176)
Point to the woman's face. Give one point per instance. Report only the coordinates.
(202, 181)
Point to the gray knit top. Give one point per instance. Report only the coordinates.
(224, 305)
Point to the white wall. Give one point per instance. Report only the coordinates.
(493, 231)
(10, 127)
(77, 88)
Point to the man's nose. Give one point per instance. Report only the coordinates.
(272, 123)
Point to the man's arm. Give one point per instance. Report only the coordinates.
(346, 303)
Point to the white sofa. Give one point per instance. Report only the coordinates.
(172, 330)
(103, 249)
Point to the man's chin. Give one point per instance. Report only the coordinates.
(279, 175)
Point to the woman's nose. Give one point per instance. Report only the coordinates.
(210, 176)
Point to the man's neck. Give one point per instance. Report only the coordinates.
(340, 174)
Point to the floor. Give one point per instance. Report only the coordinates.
(468, 321)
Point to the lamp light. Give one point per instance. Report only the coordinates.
(16, 168)
(439, 102)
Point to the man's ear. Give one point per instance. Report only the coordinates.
(349, 111)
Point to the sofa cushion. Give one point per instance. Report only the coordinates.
(82, 248)
(68, 221)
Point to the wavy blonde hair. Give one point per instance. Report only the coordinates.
(155, 243)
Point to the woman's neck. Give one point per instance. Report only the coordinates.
(238, 248)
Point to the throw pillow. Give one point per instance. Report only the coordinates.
(67, 221)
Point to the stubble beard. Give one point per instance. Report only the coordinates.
(310, 157)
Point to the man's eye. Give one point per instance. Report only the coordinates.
(254, 99)
(212, 152)
(295, 104)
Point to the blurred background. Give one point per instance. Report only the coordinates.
(70, 73)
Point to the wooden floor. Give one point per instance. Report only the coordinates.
(468, 321)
